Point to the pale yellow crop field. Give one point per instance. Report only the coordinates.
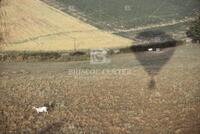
(35, 26)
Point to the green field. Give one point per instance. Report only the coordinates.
(126, 14)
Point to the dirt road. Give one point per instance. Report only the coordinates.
(113, 98)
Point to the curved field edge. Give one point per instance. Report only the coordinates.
(36, 26)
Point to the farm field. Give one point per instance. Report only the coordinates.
(152, 91)
(103, 103)
(127, 14)
(32, 25)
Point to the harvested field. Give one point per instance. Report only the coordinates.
(34, 26)
(81, 103)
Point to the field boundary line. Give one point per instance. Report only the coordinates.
(155, 26)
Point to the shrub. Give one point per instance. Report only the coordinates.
(194, 31)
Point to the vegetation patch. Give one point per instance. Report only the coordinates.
(41, 56)
(80, 55)
(126, 14)
(194, 31)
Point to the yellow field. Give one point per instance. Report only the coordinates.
(35, 26)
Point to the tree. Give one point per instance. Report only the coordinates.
(194, 30)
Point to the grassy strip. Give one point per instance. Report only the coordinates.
(28, 56)
(40, 56)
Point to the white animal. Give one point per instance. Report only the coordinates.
(41, 109)
(150, 49)
(116, 51)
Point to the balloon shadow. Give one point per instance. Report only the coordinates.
(154, 54)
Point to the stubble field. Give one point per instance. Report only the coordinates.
(34, 26)
(103, 103)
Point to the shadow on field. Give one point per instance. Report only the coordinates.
(154, 54)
